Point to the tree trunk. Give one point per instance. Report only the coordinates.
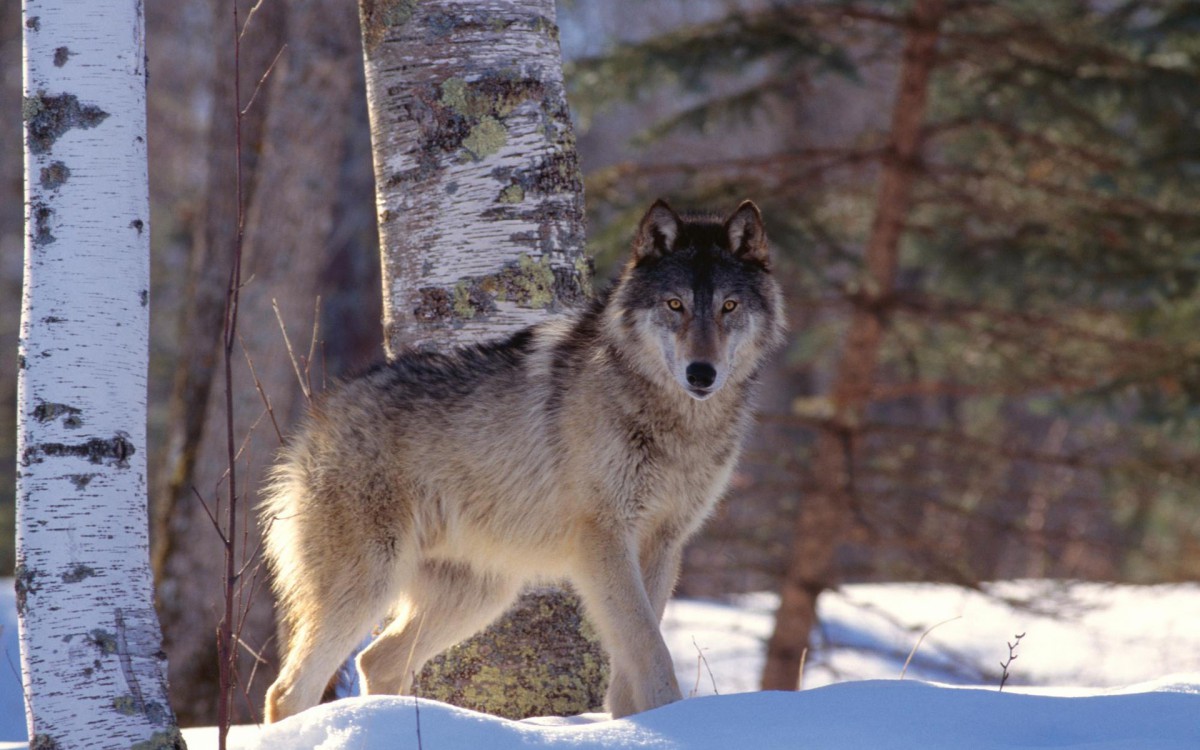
(821, 521)
(478, 189)
(480, 209)
(290, 221)
(93, 669)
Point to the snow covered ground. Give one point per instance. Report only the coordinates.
(1101, 667)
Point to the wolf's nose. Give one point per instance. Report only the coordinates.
(701, 374)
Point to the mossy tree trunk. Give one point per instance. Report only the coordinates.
(480, 210)
(92, 665)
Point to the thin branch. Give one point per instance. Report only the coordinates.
(312, 345)
(921, 640)
(249, 16)
(1012, 656)
(259, 387)
(291, 353)
(216, 524)
(263, 79)
(700, 655)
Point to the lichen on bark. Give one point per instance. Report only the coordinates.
(528, 282)
(377, 16)
(515, 668)
(47, 118)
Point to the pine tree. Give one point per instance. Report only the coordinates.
(1032, 406)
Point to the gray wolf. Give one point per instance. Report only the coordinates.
(433, 487)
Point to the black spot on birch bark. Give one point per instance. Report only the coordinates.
(25, 578)
(53, 176)
(48, 117)
(103, 640)
(46, 411)
(40, 213)
(33, 23)
(139, 225)
(112, 452)
(435, 304)
(43, 742)
(77, 573)
(144, 297)
(80, 480)
(61, 55)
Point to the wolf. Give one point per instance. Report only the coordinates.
(432, 488)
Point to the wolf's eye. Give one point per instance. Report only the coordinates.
(675, 304)
(729, 305)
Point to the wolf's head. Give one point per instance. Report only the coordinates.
(696, 301)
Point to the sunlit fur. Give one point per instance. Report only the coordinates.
(432, 488)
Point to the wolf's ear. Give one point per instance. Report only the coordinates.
(657, 232)
(747, 237)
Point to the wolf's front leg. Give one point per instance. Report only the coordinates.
(609, 580)
(660, 557)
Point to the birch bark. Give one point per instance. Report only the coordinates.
(480, 212)
(92, 666)
(479, 197)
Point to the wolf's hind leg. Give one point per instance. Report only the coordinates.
(321, 637)
(449, 603)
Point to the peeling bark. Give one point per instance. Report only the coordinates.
(823, 517)
(92, 665)
(480, 210)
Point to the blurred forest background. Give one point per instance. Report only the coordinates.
(993, 370)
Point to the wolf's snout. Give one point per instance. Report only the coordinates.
(701, 375)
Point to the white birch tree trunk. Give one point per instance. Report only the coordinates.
(92, 666)
(478, 189)
(481, 226)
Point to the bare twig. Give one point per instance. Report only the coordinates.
(226, 654)
(1012, 656)
(249, 17)
(312, 344)
(803, 660)
(417, 708)
(291, 353)
(261, 393)
(254, 671)
(701, 660)
(921, 640)
(216, 524)
(262, 81)
(265, 75)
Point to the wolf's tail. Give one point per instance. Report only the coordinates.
(286, 498)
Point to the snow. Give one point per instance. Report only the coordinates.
(1099, 667)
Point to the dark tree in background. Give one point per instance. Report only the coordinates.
(306, 158)
(994, 293)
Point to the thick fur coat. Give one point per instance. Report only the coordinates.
(432, 488)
